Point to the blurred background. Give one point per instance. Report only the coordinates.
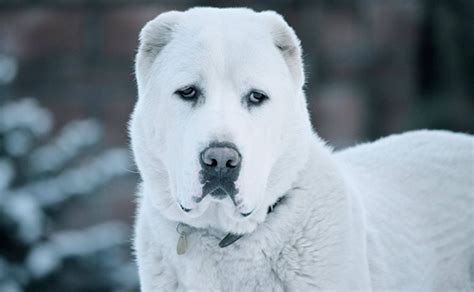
(67, 181)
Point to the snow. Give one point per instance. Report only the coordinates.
(7, 174)
(25, 113)
(73, 138)
(24, 210)
(48, 256)
(8, 70)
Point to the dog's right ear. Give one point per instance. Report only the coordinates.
(154, 36)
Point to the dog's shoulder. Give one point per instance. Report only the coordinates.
(412, 157)
(421, 144)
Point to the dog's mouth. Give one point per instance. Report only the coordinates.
(219, 191)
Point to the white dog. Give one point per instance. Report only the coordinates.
(239, 193)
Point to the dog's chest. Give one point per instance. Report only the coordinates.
(206, 267)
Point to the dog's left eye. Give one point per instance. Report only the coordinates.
(188, 93)
(256, 97)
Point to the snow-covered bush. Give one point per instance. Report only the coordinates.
(38, 175)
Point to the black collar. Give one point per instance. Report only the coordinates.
(232, 237)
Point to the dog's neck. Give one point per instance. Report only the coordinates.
(230, 238)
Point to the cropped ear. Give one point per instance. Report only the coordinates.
(154, 36)
(288, 43)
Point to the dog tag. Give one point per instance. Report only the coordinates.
(182, 246)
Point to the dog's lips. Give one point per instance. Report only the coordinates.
(219, 195)
(219, 192)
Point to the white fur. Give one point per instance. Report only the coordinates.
(395, 214)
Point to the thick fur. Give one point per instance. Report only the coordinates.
(395, 214)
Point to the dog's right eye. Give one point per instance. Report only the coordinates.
(188, 93)
(256, 97)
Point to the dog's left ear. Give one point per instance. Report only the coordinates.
(288, 43)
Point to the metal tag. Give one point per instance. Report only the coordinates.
(182, 246)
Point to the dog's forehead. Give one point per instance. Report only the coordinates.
(223, 29)
(217, 17)
(236, 45)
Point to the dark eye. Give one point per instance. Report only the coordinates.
(188, 93)
(256, 97)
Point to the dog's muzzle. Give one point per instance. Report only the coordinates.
(220, 167)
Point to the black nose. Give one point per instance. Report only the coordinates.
(220, 163)
(220, 158)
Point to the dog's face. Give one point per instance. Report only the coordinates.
(219, 116)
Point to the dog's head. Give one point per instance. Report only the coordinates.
(220, 128)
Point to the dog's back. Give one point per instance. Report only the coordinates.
(418, 193)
